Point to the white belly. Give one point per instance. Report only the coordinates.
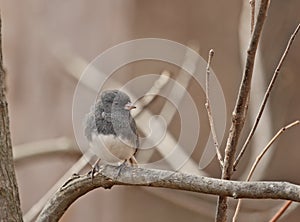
(111, 149)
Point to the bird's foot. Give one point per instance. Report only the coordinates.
(133, 162)
(95, 169)
(120, 168)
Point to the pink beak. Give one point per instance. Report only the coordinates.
(129, 106)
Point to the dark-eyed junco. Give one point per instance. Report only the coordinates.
(111, 130)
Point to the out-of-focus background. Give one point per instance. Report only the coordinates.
(47, 43)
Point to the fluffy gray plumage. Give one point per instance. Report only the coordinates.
(108, 116)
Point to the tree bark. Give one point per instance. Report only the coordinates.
(9, 196)
(107, 177)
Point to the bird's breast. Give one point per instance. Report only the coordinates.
(111, 148)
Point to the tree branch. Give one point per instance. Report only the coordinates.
(252, 6)
(9, 196)
(281, 211)
(81, 184)
(259, 157)
(266, 96)
(209, 113)
(241, 107)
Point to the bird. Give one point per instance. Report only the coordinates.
(111, 130)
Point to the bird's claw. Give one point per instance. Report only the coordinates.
(120, 168)
(95, 169)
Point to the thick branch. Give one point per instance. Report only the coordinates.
(241, 107)
(79, 185)
(9, 197)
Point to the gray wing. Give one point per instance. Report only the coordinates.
(90, 126)
(134, 130)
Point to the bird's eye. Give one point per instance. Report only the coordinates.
(116, 103)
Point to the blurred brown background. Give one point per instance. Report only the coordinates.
(37, 36)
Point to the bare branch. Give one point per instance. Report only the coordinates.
(259, 85)
(281, 211)
(80, 185)
(282, 130)
(266, 96)
(260, 156)
(10, 209)
(207, 105)
(241, 107)
(252, 6)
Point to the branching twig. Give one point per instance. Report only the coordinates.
(207, 105)
(282, 130)
(77, 187)
(241, 107)
(267, 94)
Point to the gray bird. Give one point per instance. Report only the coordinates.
(111, 130)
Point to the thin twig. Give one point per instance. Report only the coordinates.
(241, 107)
(281, 211)
(266, 96)
(132, 176)
(282, 130)
(252, 6)
(207, 105)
